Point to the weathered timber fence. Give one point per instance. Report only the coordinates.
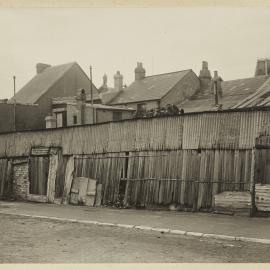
(6, 187)
(187, 177)
(183, 159)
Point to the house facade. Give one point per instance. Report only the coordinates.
(190, 92)
(51, 82)
(78, 110)
(151, 92)
(231, 94)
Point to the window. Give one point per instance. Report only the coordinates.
(117, 116)
(75, 120)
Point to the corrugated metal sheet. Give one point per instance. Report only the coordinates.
(215, 130)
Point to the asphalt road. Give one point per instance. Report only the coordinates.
(32, 240)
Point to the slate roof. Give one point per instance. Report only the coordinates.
(260, 98)
(233, 92)
(150, 88)
(40, 83)
(107, 97)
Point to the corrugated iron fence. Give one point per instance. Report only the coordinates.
(215, 130)
(185, 159)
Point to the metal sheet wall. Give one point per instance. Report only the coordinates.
(215, 130)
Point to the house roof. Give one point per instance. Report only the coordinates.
(107, 97)
(150, 88)
(233, 92)
(40, 83)
(260, 98)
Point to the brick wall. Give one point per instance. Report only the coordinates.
(26, 117)
(21, 179)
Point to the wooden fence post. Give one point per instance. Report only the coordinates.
(54, 160)
(252, 183)
(69, 174)
(195, 194)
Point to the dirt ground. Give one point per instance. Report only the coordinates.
(32, 240)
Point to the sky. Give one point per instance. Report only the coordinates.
(163, 39)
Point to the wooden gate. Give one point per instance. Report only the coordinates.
(6, 187)
(60, 176)
(39, 170)
(262, 180)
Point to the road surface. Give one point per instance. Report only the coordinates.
(32, 240)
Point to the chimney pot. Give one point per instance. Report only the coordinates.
(205, 76)
(215, 75)
(105, 79)
(118, 81)
(81, 96)
(40, 67)
(139, 72)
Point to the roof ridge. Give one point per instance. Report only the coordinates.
(255, 77)
(168, 73)
(67, 66)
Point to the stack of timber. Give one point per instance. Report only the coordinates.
(233, 202)
(262, 198)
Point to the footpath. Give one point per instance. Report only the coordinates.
(207, 225)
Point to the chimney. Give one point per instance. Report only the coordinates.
(40, 67)
(217, 87)
(81, 104)
(205, 76)
(118, 81)
(139, 72)
(105, 79)
(262, 67)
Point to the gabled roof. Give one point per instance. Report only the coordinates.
(150, 88)
(41, 82)
(107, 97)
(233, 92)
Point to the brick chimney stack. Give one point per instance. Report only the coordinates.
(40, 67)
(262, 67)
(139, 72)
(118, 81)
(205, 76)
(105, 80)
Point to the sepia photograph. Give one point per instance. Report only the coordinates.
(134, 134)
